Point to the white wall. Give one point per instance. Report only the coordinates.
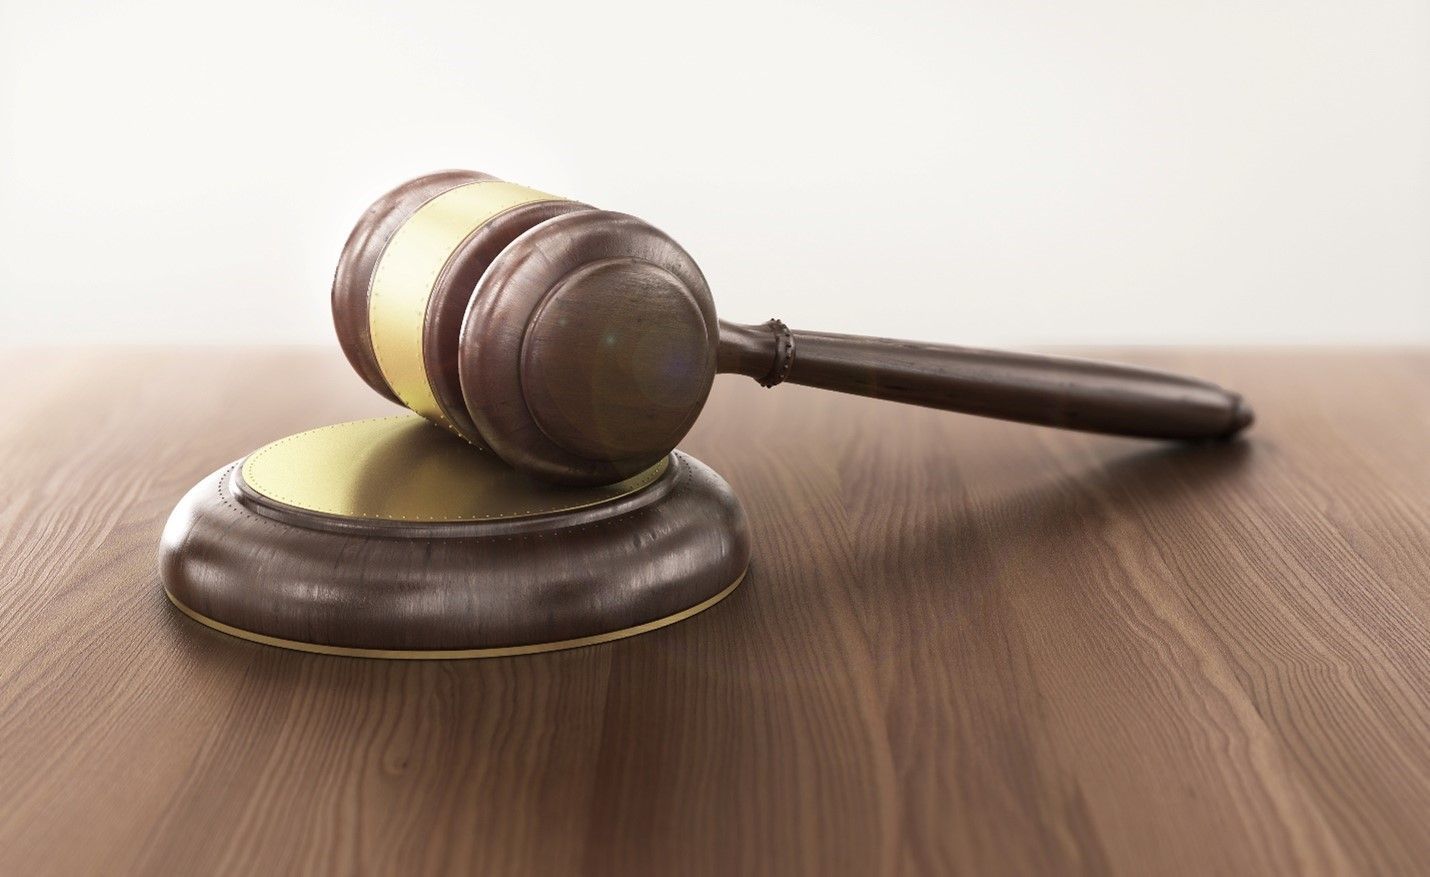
(1002, 171)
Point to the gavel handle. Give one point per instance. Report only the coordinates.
(1049, 390)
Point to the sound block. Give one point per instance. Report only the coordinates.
(391, 538)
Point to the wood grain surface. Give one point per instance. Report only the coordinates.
(964, 646)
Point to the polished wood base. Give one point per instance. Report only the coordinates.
(313, 543)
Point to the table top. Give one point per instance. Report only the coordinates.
(963, 646)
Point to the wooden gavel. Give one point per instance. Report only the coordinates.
(580, 344)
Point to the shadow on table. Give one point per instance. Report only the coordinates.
(1167, 486)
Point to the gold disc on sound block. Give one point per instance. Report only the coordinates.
(391, 538)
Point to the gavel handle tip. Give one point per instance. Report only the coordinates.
(1241, 417)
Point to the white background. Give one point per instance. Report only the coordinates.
(1010, 172)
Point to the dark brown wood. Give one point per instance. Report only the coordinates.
(965, 647)
(452, 295)
(746, 350)
(590, 342)
(237, 557)
(638, 358)
(631, 383)
(359, 258)
(1056, 391)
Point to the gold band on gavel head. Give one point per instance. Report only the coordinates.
(407, 274)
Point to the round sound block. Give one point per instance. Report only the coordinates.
(391, 538)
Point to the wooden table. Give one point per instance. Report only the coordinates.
(964, 646)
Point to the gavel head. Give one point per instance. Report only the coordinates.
(576, 344)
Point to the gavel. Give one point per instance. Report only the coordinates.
(579, 344)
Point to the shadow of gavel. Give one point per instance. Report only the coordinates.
(580, 344)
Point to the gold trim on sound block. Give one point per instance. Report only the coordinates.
(407, 271)
(454, 654)
(403, 468)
